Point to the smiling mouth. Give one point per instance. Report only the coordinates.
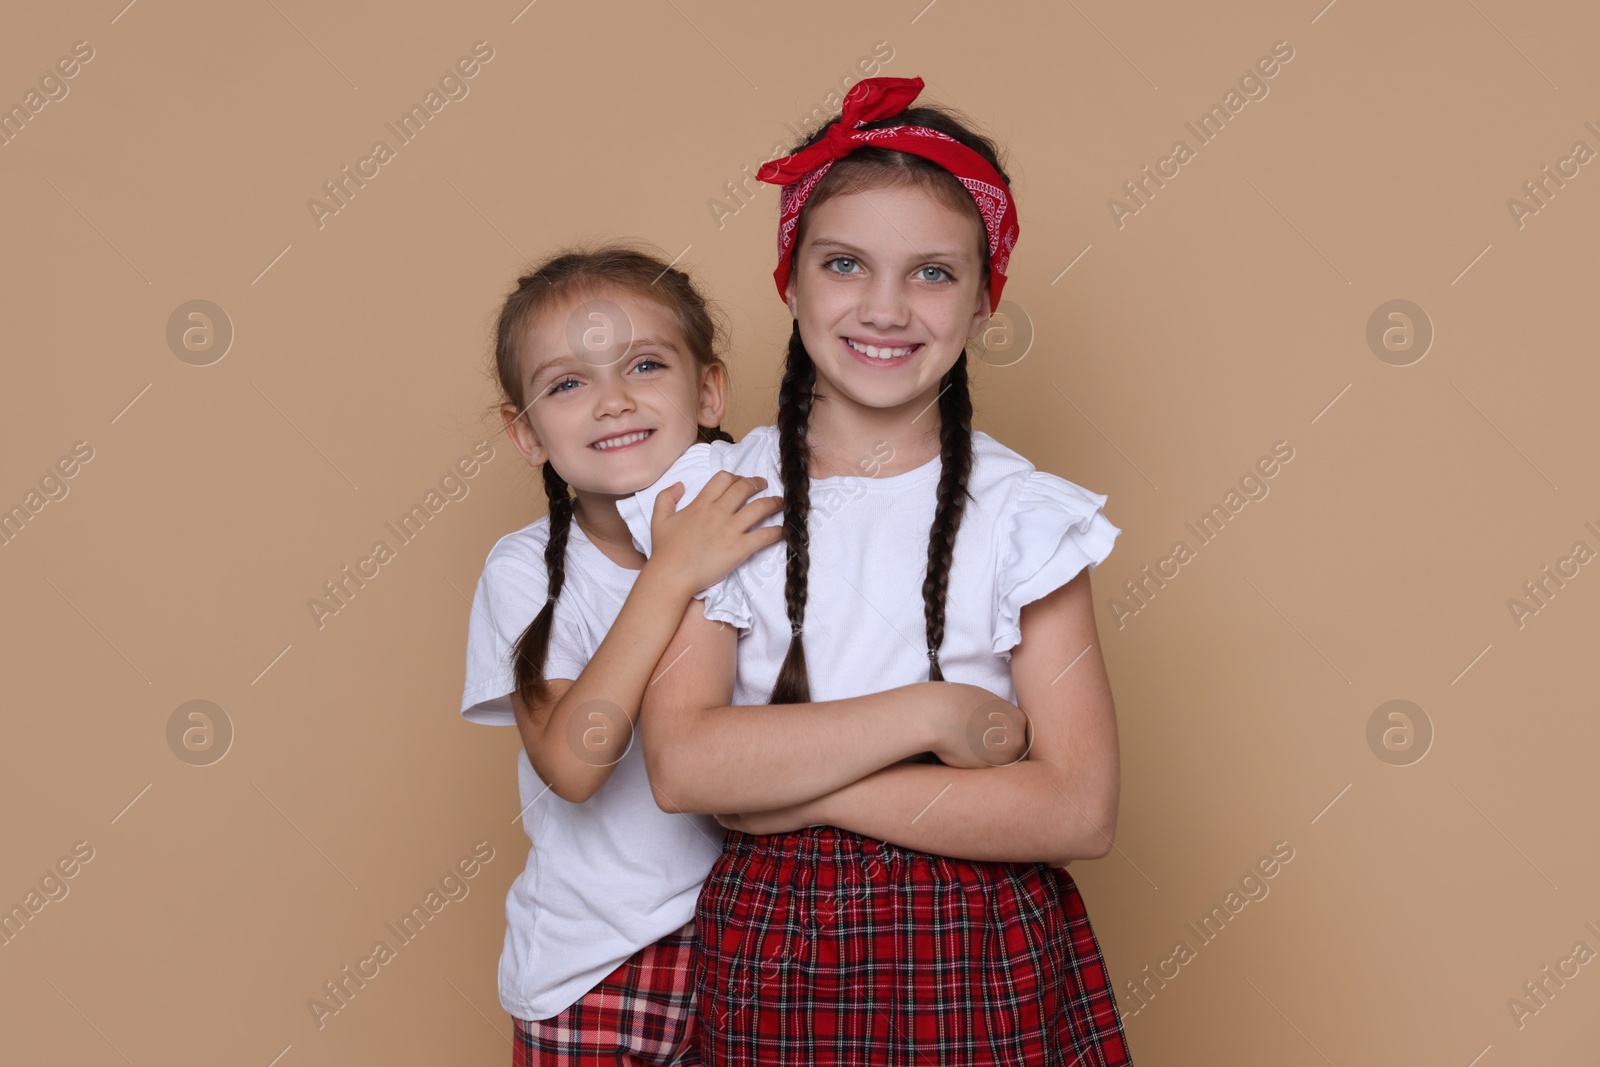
(622, 440)
(880, 351)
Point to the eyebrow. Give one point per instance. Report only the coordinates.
(561, 362)
(826, 243)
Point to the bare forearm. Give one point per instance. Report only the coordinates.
(1022, 813)
(757, 757)
(587, 731)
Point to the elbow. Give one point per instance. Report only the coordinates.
(1103, 834)
(1089, 830)
(1092, 845)
(572, 791)
(675, 788)
(670, 766)
(664, 801)
(562, 779)
(1100, 843)
(664, 785)
(569, 783)
(573, 796)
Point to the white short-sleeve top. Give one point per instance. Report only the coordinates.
(603, 878)
(1025, 534)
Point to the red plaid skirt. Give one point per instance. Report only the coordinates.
(641, 1013)
(825, 947)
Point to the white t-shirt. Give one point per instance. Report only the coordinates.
(1025, 534)
(606, 877)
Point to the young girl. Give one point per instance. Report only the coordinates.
(608, 368)
(866, 909)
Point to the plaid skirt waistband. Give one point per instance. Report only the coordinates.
(849, 854)
(826, 947)
(816, 844)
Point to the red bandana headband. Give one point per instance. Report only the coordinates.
(880, 98)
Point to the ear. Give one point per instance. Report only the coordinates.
(713, 395)
(788, 294)
(981, 315)
(520, 432)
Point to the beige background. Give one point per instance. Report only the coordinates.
(1228, 314)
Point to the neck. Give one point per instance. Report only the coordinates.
(850, 438)
(597, 516)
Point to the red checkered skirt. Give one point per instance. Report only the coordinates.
(825, 947)
(641, 1013)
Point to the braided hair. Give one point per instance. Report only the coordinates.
(864, 167)
(570, 273)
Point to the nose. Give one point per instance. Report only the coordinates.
(885, 303)
(612, 396)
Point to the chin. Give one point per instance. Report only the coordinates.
(626, 483)
(637, 487)
(883, 389)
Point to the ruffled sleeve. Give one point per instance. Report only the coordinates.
(726, 601)
(1053, 530)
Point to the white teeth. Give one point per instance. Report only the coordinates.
(625, 439)
(874, 352)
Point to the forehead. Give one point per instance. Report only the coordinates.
(597, 319)
(903, 219)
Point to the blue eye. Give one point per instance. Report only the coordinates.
(649, 362)
(556, 388)
(946, 274)
(828, 264)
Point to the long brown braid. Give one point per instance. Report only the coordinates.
(955, 467)
(796, 393)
